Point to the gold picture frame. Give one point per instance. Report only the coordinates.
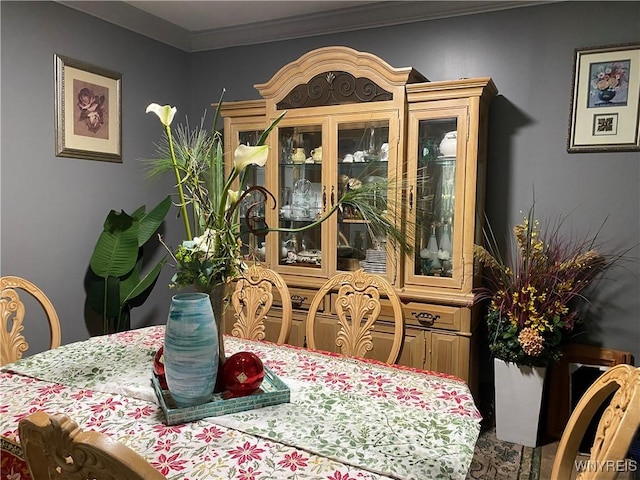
(605, 101)
(88, 116)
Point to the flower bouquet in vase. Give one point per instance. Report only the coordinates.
(534, 296)
(209, 203)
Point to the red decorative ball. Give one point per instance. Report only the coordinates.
(158, 368)
(243, 373)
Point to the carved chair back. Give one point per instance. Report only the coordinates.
(56, 448)
(253, 298)
(357, 306)
(12, 310)
(616, 428)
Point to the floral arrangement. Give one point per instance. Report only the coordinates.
(608, 78)
(534, 296)
(209, 205)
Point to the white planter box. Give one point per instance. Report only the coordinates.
(518, 400)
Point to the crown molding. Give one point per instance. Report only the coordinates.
(372, 15)
(126, 16)
(361, 17)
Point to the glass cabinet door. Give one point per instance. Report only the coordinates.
(253, 205)
(302, 195)
(362, 158)
(435, 198)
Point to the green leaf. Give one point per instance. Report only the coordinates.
(150, 222)
(134, 286)
(116, 250)
(265, 134)
(139, 213)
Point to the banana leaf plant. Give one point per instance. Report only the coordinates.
(116, 281)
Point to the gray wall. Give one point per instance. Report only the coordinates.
(53, 208)
(527, 51)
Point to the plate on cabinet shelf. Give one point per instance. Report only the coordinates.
(370, 267)
(313, 254)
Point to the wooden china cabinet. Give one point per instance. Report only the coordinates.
(352, 117)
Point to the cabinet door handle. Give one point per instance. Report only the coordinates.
(426, 319)
(411, 198)
(297, 301)
(332, 197)
(324, 198)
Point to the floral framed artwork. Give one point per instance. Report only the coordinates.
(606, 99)
(88, 119)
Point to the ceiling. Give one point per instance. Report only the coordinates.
(208, 25)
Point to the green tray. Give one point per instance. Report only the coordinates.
(273, 391)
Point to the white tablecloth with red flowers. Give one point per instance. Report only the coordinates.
(348, 419)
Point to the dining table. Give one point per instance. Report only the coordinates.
(347, 418)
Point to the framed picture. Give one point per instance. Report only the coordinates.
(606, 99)
(88, 118)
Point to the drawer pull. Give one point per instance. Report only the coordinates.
(425, 318)
(297, 300)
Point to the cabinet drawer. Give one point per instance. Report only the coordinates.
(437, 316)
(301, 299)
(418, 314)
(425, 315)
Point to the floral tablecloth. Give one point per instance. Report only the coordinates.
(347, 420)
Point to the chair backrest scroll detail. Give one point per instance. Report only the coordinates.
(252, 299)
(12, 311)
(56, 448)
(357, 307)
(616, 428)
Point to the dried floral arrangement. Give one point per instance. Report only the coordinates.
(536, 291)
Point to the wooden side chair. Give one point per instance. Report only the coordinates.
(252, 299)
(357, 306)
(12, 342)
(56, 448)
(616, 429)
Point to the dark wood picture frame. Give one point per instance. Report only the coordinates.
(88, 116)
(605, 101)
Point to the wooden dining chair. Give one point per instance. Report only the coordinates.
(616, 428)
(252, 300)
(12, 310)
(55, 447)
(357, 306)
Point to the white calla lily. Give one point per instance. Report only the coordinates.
(165, 113)
(245, 155)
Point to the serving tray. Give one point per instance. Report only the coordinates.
(273, 391)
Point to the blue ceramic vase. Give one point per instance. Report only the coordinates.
(191, 354)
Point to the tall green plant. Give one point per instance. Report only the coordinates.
(117, 283)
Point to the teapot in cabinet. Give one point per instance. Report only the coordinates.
(299, 156)
(316, 154)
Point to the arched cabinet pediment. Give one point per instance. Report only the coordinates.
(364, 77)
